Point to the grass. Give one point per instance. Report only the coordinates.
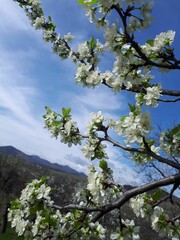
(10, 235)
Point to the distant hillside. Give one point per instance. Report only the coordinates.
(33, 159)
(17, 168)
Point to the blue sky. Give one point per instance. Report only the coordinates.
(31, 77)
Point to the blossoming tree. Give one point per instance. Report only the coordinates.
(35, 215)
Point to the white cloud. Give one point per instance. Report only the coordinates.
(122, 167)
(9, 11)
(101, 98)
(16, 93)
(124, 174)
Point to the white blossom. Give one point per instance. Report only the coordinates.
(152, 95)
(35, 2)
(68, 37)
(137, 205)
(38, 22)
(134, 127)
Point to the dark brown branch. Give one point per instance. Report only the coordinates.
(173, 93)
(174, 64)
(139, 89)
(158, 170)
(146, 151)
(136, 191)
(160, 201)
(169, 100)
(175, 186)
(129, 149)
(176, 218)
(159, 158)
(165, 199)
(76, 206)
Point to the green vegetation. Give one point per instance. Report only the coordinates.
(10, 235)
(15, 172)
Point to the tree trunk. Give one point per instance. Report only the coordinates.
(4, 219)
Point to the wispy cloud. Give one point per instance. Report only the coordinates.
(9, 11)
(102, 99)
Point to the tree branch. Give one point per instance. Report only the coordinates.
(146, 151)
(159, 158)
(79, 207)
(174, 64)
(136, 191)
(168, 100)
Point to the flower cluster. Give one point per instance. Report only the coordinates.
(94, 149)
(140, 205)
(101, 185)
(170, 141)
(159, 43)
(129, 231)
(65, 127)
(151, 97)
(88, 77)
(161, 223)
(135, 126)
(87, 73)
(34, 203)
(96, 124)
(142, 159)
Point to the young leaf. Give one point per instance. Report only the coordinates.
(150, 42)
(65, 112)
(103, 165)
(122, 118)
(92, 43)
(157, 195)
(88, 3)
(132, 107)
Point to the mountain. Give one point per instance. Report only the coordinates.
(36, 160)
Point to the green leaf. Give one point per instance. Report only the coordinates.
(157, 195)
(43, 179)
(175, 130)
(103, 165)
(136, 63)
(87, 193)
(92, 43)
(89, 3)
(16, 204)
(150, 42)
(132, 107)
(122, 118)
(154, 57)
(66, 112)
(77, 224)
(150, 142)
(48, 109)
